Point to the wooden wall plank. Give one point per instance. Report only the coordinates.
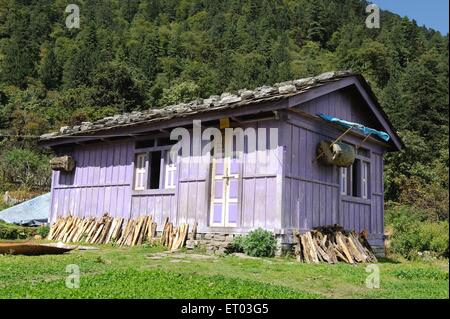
(260, 202)
(294, 200)
(248, 203)
(288, 209)
(271, 202)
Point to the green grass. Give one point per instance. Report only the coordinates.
(130, 273)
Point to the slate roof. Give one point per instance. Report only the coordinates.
(213, 103)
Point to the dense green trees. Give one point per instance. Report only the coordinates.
(24, 167)
(135, 54)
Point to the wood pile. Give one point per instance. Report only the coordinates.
(332, 244)
(174, 238)
(104, 230)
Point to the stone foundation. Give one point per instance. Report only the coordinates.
(213, 243)
(379, 251)
(217, 243)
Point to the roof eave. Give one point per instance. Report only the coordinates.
(255, 106)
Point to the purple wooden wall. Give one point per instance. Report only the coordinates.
(345, 104)
(193, 191)
(311, 191)
(159, 206)
(100, 183)
(377, 200)
(261, 186)
(259, 204)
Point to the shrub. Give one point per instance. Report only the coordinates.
(12, 232)
(43, 231)
(259, 243)
(434, 237)
(25, 167)
(413, 234)
(236, 246)
(400, 214)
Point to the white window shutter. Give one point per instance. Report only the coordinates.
(139, 180)
(344, 180)
(170, 171)
(365, 175)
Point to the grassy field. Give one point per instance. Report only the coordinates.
(145, 272)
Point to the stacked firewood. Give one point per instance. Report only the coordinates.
(174, 237)
(332, 244)
(136, 232)
(104, 230)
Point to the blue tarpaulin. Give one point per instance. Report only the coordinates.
(30, 213)
(365, 130)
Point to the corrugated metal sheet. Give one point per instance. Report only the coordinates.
(32, 212)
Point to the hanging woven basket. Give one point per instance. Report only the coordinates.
(339, 154)
(62, 163)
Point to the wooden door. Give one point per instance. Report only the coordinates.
(224, 210)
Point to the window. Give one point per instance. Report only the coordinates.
(363, 152)
(154, 169)
(354, 180)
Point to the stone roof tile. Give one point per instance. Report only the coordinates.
(214, 102)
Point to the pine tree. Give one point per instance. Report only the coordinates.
(50, 72)
(83, 59)
(19, 50)
(280, 61)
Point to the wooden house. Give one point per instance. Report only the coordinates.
(121, 165)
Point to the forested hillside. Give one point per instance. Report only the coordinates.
(147, 53)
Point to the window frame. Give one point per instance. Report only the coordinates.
(140, 173)
(365, 179)
(148, 152)
(343, 180)
(356, 186)
(170, 169)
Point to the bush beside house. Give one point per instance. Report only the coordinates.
(13, 232)
(258, 243)
(414, 234)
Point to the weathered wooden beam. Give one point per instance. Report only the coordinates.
(62, 163)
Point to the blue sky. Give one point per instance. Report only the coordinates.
(432, 13)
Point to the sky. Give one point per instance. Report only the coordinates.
(431, 13)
